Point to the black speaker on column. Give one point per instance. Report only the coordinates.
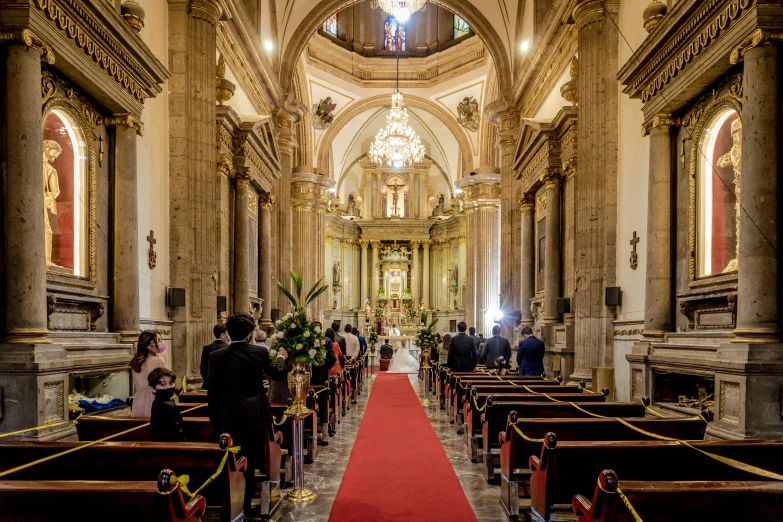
(275, 313)
(222, 304)
(175, 296)
(614, 297)
(563, 305)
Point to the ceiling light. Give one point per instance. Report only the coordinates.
(268, 45)
(525, 46)
(400, 9)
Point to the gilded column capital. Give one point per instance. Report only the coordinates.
(242, 179)
(755, 39)
(660, 120)
(461, 239)
(266, 201)
(375, 243)
(310, 188)
(569, 169)
(527, 203)
(426, 244)
(224, 166)
(363, 243)
(551, 179)
(415, 244)
(347, 240)
(32, 40)
(126, 119)
(329, 236)
(207, 10)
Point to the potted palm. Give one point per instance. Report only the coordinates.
(301, 337)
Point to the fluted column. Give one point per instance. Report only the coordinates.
(552, 250)
(415, 275)
(241, 244)
(658, 298)
(758, 319)
(374, 268)
(363, 272)
(425, 281)
(266, 202)
(528, 264)
(356, 302)
(308, 202)
(194, 187)
(461, 267)
(470, 263)
(596, 185)
(25, 268)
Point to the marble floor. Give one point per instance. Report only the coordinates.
(325, 474)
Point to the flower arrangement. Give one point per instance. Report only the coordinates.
(425, 338)
(407, 297)
(378, 312)
(411, 312)
(299, 334)
(373, 338)
(382, 299)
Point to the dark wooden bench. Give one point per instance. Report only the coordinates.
(691, 501)
(566, 468)
(121, 501)
(502, 405)
(515, 450)
(135, 461)
(196, 429)
(456, 382)
(461, 393)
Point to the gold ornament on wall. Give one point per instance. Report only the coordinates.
(468, 113)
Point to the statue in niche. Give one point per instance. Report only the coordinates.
(395, 283)
(734, 158)
(51, 150)
(468, 114)
(336, 274)
(351, 209)
(323, 113)
(453, 275)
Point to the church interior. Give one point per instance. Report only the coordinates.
(592, 184)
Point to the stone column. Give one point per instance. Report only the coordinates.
(265, 282)
(528, 266)
(357, 303)
(373, 275)
(552, 250)
(596, 185)
(470, 263)
(461, 267)
(241, 244)
(658, 298)
(415, 275)
(194, 262)
(362, 272)
(308, 201)
(125, 298)
(757, 290)
(425, 280)
(25, 268)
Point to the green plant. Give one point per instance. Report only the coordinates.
(298, 334)
(378, 312)
(425, 338)
(373, 337)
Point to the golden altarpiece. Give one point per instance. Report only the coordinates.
(708, 76)
(75, 77)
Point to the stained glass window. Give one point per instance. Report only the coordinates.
(330, 25)
(393, 35)
(461, 27)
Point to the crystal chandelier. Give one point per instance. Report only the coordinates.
(397, 145)
(400, 9)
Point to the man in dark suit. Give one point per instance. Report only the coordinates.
(221, 341)
(496, 347)
(387, 351)
(476, 339)
(238, 404)
(462, 351)
(362, 340)
(530, 354)
(339, 339)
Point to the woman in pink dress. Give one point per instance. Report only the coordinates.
(148, 357)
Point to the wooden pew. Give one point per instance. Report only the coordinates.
(515, 450)
(474, 422)
(670, 501)
(120, 501)
(135, 461)
(566, 468)
(196, 429)
(461, 393)
(461, 381)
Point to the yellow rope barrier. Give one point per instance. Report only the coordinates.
(39, 428)
(477, 406)
(651, 411)
(183, 480)
(627, 503)
(529, 439)
(282, 421)
(89, 444)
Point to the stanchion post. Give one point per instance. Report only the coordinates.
(299, 493)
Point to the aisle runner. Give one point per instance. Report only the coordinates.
(398, 470)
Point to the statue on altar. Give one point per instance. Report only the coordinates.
(336, 274)
(453, 275)
(733, 158)
(51, 150)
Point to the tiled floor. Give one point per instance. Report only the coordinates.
(324, 475)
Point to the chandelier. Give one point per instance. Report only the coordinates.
(397, 145)
(400, 9)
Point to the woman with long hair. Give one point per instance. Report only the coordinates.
(337, 367)
(148, 356)
(443, 350)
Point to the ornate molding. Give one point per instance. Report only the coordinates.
(756, 38)
(527, 203)
(266, 201)
(32, 40)
(660, 120)
(242, 179)
(127, 120)
(552, 180)
(207, 10)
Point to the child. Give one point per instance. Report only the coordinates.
(165, 420)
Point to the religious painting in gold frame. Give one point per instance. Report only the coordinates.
(713, 220)
(70, 184)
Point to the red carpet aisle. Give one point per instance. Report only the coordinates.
(398, 470)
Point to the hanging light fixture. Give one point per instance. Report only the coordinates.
(397, 145)
(401, 9)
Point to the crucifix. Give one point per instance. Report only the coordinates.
(152, 259)
(634, 256)
(395, 197)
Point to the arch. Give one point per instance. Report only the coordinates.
(462, 8)
(446, 178)
(416, 102)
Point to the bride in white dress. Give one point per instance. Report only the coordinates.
(403, 362)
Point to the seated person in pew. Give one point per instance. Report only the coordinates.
(237, 399)
(165, 419)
